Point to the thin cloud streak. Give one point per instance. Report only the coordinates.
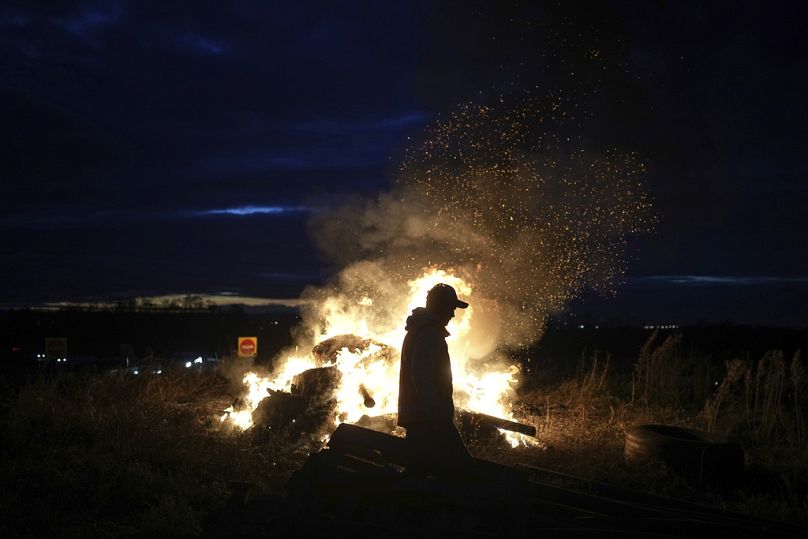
(101, 217)
(254, 210)
(89, 19)
(344, 127)
(202, 44)
(719, 280)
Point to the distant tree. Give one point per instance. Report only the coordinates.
(193, 302)
(168, 304)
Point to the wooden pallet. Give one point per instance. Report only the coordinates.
(366, 480)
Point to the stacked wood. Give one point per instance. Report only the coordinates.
(370, 481)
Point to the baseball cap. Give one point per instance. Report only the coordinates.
(444, 294)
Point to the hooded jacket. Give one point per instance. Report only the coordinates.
(425, 381)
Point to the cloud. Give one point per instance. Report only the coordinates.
(718, 280)
(252, 210)
(202, 44)
(9, 18)
(88, 218)
(91, 18)
(360, 125)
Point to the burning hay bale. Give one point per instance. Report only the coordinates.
(278, 410)
(318, 384)
(307, 407)
(312, 401)
(318, 387)
(328, 351)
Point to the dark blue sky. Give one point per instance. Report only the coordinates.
(135, 134)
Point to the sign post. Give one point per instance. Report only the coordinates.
(55, 348)
(247, 347)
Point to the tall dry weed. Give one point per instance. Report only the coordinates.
(657, 371)
(770, 381)
(736, 370)
(769, 408)
(797, 381)
(592, 379)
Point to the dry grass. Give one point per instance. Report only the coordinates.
(144, 457)
(112, 457)
(582, 423)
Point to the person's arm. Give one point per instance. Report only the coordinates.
(425, 354)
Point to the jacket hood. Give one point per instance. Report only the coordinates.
(422, 317)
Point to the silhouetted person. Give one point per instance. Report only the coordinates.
(425, 406)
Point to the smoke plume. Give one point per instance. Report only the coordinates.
(508, 198)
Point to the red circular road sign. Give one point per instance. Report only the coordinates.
(247, 347)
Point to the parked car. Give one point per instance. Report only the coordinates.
(192, 360)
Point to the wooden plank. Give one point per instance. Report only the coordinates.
(498, 422)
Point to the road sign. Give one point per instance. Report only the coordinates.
(55, 347)
(247, 346)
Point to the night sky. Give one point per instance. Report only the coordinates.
(149, 148)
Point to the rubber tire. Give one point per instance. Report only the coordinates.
(705, 457)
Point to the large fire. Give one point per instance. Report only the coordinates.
(525, 215)
(485, 388)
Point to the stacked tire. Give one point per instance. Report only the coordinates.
(704, 457)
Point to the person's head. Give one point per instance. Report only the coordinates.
(442, 301)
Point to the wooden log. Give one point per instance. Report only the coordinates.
(496, 422)
(366, 396)
(347, 437)
(382, 423)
